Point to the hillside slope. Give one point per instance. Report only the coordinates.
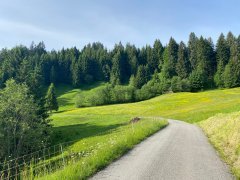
(190, 107)
(83, 124)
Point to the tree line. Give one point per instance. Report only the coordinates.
(199, 62)
(132, 74)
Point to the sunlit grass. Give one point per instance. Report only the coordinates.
(101, 149)
(223, 131)
(67, 94)
(95, 125)
(190, 107)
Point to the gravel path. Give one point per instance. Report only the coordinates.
(179, 152)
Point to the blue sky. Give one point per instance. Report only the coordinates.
(68, 23)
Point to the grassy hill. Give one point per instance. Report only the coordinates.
(67, 95)
(223, 131)
(89, 127)
(190, 107)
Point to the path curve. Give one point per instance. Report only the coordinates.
(180, 151)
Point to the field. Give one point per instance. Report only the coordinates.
(67, 95)
(93, 140)
(100, 149)
(92, 129)
(223, 131)
(190, 107)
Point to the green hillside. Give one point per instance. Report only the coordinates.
(190, 107)
(67, 94)
(90, 127)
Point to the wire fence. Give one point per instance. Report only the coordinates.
(42, 162)
(39, 162)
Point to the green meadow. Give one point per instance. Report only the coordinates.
(104, 132)
(186, 106)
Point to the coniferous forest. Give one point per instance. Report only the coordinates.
(130, 74)
(133, 73)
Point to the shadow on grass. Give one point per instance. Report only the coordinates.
(66, 88)
(65, 102)
(69, 133)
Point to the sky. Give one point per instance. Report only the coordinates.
(69, 23)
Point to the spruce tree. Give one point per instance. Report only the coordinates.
(151, 61)
(53, 76)
(170, 59)
(132, 56)
(142, 76)
(192, 50)
(230, 39)
(206, 61)
(121, 70)
(232, 69)
(222, 57)
(183, 64)
(116, 73)
(51, 99)
(158, 54)
(76, 74)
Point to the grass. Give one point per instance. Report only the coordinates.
(89, 127)
(223, 131)
(190, 107)
(67, 94)
(101, 149)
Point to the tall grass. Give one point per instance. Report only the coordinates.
(223, 131)
(101, 150)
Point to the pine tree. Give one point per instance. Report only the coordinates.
(121, 70)
(222, 57)
(206, 61)
(142, 57)
(183, 64)
(192, 50)
(170, 59)
(51, 99)
(158, 54)
(132, 54)
(151, 61)
(230, 39)
(53, 76)
(232, 69)
(142, 76)
(76, 74)
(115, 73)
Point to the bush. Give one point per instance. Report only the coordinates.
(176, 84)
(180, 85)
(106, 95)
(196, 81)
(185, 85)
(122, 94)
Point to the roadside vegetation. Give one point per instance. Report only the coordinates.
(101, 149)
(223, 131)
(76, 123)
